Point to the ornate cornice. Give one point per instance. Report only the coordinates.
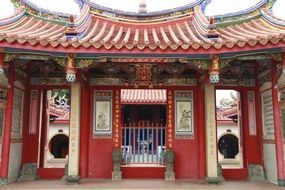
(236, 17)
(47, 16)
(204, 64)
(9, 57)
(80, 63)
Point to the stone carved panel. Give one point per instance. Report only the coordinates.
(181, 81)
(184, 122)
(47, 81)
(102, 116)
(106, 81)
(267, 115)
(17, 113)
(238, 74)
(251, 113)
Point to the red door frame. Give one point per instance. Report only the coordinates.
(249, 143)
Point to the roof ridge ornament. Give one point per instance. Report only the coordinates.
(212, 34)
(71, 30)
(142, 7)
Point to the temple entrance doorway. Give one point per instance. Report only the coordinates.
(143, 126)
(54, 128)
(229, 129)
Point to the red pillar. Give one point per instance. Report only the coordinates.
(84, 126)
(202, 131)
(258, 112)
(5, 154)
(277, 127)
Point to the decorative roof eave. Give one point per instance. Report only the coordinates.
(267, 15)
(119, 13)
(269, 4)
(17, 3)
(53, 16)
(237, 20)
(240, 14)
(20, 12)
(185, 33)
(39, 9)
(244, 15)
(201, 18)
(84, 14)
(49, 18)
(106, 49)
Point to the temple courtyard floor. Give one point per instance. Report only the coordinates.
(139, 184)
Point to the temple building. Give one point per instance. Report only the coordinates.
(115, 94)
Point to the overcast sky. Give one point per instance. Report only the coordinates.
(215, 8)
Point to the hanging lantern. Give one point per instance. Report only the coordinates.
(215, 70)
(1, 62)
(70, 69)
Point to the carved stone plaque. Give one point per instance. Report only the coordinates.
(267, 115)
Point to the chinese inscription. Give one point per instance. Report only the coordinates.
(267, 110)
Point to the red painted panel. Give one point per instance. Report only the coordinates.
(100, 150)
(235, 173)
(51, 173)
(143, 172)
(30, 141)
(100, 158)
(250, 143)
(186, 164)
(186, 159)
(186, 153)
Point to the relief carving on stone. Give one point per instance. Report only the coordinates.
(17, 113)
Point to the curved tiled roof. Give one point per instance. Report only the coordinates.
(189, 30)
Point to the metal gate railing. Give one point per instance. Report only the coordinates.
(143, 143)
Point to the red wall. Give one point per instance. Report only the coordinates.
(187, 154)
(30, 141)
(186, 164)
(96, 154)
(100, 150)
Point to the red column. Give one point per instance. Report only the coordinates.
(84, 135)
(277, 127)
(202, 131)
(258, 112)
(5, 154)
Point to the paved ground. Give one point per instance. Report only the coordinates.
(139, 185)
